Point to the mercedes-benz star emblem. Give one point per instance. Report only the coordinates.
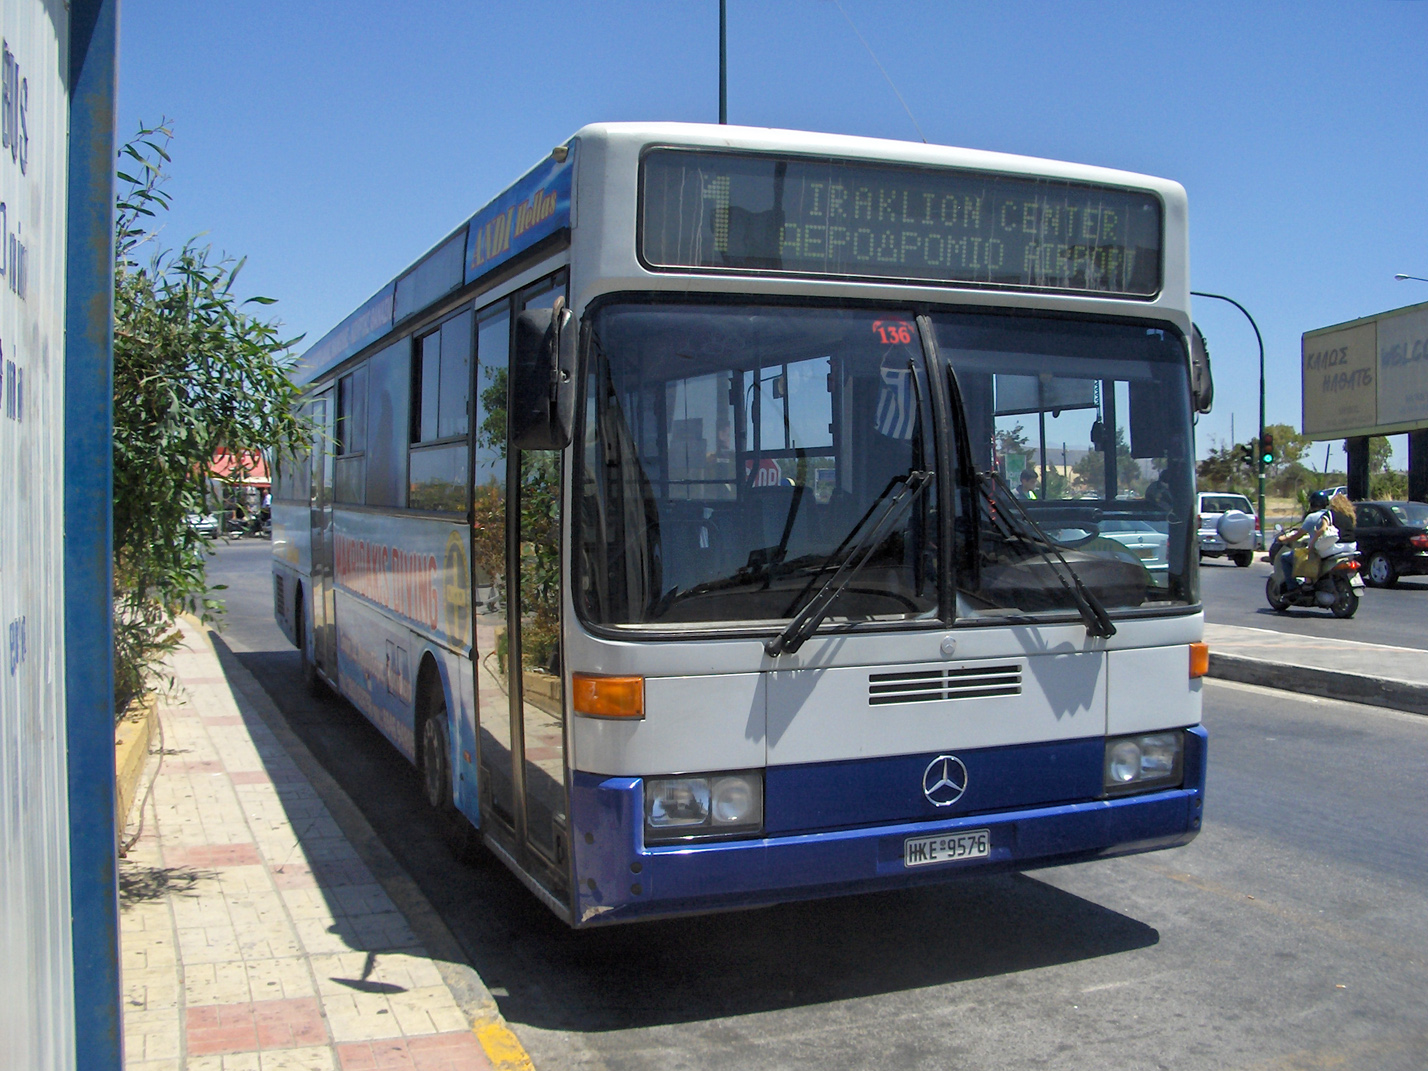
(944, 780)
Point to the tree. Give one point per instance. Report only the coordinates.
(1289, 446)
(194, 373)
(1091, 469)
(1380, 453)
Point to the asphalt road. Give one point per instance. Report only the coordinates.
(1394, 616)
(1293, 933)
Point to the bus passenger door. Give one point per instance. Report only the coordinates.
(324, 615)
(489, 586)
(535, 493)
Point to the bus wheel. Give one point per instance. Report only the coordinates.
(435, 770)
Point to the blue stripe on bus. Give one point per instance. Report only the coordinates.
(618, 879)
(864, 792)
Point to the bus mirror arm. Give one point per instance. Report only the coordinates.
(541, 406)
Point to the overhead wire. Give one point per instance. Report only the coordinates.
(839, 5)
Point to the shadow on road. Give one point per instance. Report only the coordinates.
(793, 955)
(691, 969)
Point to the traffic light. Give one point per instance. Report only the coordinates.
(1266, 449)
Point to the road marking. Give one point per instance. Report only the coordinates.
(1107, 985)
(504, 1050)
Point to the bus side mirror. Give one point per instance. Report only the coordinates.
(542, 392)
(1202, 386)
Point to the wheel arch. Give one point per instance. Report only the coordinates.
(299, 615)
(429, 677)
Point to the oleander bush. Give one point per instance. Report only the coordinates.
(196, 371)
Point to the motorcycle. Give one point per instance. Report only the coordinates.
(1336, 589)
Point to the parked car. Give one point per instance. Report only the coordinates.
(1228, 527)
(205, 524)
(1393, 540)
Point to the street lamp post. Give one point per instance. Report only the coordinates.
(1259, 452)
(1416, 278)
(723, 65)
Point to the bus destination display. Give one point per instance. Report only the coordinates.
(744, 212)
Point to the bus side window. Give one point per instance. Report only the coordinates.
(441, 387)
(389, 383)
(350, 465)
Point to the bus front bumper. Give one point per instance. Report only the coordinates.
(619, 878)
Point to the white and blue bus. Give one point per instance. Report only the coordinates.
(724, 516)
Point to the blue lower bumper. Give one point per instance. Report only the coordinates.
(619, 879)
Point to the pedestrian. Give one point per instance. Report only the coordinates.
(1026, 485)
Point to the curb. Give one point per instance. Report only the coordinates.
(501, 1045)
(131, 755)
(1401, 695)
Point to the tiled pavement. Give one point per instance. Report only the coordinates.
(255, 936)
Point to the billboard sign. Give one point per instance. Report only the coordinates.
(1368, 376)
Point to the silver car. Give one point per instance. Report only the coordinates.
(205, 524)
(1228, 527)
(1144, 540)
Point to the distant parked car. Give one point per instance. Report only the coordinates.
(1228, 527)
(205, 524)
(1393, 540)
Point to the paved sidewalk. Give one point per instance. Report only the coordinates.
(263, 925)
(1395, 677)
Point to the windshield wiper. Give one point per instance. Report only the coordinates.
(807, 620)
(1092, 611)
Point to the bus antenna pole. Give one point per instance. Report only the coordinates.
(723, 66)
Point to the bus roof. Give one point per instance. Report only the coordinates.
(540, 203)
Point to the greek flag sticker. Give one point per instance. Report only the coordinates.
(897, 414)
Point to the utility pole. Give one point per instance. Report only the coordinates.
(723, 65)
(1259, 446)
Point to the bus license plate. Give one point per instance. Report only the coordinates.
(947, 847)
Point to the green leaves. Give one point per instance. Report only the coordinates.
(194, 375)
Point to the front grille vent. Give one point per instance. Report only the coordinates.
(922, 686)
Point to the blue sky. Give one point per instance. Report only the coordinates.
(333, 143)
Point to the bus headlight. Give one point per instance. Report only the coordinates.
(1143, 762)
(709, 805)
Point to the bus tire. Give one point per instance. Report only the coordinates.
(434, 769)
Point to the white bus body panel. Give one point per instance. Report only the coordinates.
(815, 703)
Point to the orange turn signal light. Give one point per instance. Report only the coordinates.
(608, 697)
(1199, 659)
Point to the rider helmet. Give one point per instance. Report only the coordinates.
(1318, 500)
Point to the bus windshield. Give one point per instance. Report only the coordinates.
(1088, 425)
(733, 456)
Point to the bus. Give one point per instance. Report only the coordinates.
(725, 516)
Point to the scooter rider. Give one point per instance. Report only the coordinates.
(1315, 523)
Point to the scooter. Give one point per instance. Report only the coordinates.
(1336, 589)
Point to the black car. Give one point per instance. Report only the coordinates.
(1393, 540)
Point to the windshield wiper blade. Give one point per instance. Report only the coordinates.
(807, 620)
(1093, 612)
